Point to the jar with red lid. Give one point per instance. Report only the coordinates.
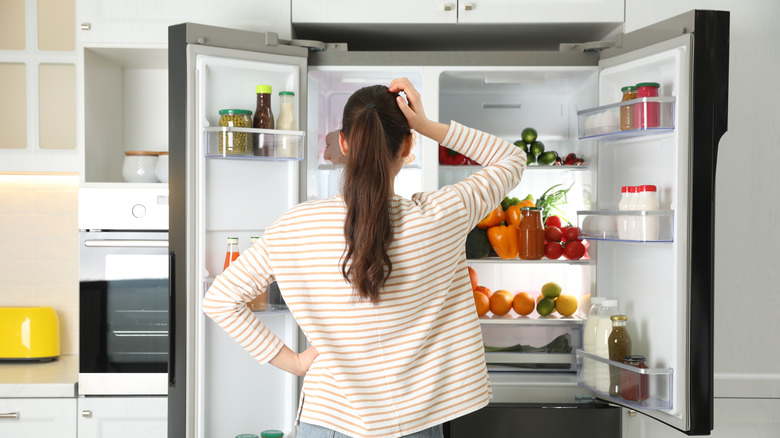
(634, 386)
(647, 114)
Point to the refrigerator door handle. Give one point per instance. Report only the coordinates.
(171, 319)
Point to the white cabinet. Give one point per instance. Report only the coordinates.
(147, 21)
(387, 11)
(540, 11)
(33, 417)
(122, 417)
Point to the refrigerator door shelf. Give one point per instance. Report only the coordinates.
(650, 226)
(603, 122)
(656, 383)
(231, 142)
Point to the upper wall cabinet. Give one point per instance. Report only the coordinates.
(456, 24)
(147, 21)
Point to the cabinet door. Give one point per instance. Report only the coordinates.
(27, 417)
(123, 417)
(540, 11)
(147, 21)
(360, 11)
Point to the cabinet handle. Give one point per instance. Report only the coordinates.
(468, 6)
(10, 415)
(86, 414)
(448, 6)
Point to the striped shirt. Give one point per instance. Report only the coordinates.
(412, 361)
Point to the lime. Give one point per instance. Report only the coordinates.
(547, 158)
(545, 306)
(522, 145)
(537, 148)
(530, 159)
(551, 290)
(529, 135)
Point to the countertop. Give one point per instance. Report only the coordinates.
(40, 380)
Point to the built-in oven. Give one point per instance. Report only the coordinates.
(123, 294)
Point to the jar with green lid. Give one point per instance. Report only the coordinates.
(627, 111)
(235, 143)
(271, 434)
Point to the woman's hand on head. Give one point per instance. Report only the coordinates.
(413, 110)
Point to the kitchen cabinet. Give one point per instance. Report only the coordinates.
(26, 417)
(147, 21)
(122, 417)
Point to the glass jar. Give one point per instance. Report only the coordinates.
(230, 142)
(619, 347)
(264, 119)
(627, 111)
(634, 386)
(140, 166)
(286, 145)
(647, 114)
(531, 243)
(232, 251)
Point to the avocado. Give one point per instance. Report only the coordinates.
(477, 244)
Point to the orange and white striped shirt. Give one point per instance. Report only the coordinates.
(412, 361)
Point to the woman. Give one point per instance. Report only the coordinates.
(377, 283)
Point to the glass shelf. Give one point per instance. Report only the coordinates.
(562, 260)
(652, 386)
(603, 122)
(240, 143)
(472, 168)
(341, 166)
(649, 226)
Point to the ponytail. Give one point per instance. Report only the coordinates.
(374, 129)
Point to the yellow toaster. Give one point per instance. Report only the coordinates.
(29, 334)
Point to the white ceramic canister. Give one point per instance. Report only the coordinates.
(140, 166)
(162, 167)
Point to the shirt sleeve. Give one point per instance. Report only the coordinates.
(226, 302)
(503, 163)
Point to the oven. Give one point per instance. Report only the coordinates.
(123, 295)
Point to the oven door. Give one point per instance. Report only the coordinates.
(123, 304)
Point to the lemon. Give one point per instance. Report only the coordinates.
(545, 306)
(566, 304)
(551, 290)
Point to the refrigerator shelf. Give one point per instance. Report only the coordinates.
(239, 143)
(603, 122)
(341, 166)
(650, 226)
(547, 321)
(561, 261)
(559, 362)
(474, 168)
(653, 384)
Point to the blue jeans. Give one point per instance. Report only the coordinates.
(306, 430)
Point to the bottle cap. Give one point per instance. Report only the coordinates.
(264, 89)
(597, 300)
(610, 303)
(648, 84)
(529, 208)
(640, 189)
(232, 239)
(141, 153)
(631, 189)
(286, 93)
(628, 88)
(618, 317)
(649, 188)
(624, 189)
(272, 434)
(246, 435)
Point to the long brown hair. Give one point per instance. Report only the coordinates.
(374, 128)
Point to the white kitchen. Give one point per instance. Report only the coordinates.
(82, 82)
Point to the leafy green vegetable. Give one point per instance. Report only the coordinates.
(508, 202)
(550, 201)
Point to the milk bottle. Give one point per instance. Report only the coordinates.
(647, 225)
(589, 340)
(603, 330)
(622, 221)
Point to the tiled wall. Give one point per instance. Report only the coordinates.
(39, 248)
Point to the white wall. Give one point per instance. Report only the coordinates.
(747, 223)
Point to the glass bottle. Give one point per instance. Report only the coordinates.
(635, 386)
(604, 329)
(531, 243)
(627, 111)
(647, 225)
(263, 119)
(647, 114)
(286, 145)
(232, 251)
(589, 339)
(619, 349)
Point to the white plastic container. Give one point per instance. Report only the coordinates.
(646, 228)
(162, 167)
(589, 339)
(623, 221)
(286, 145)
(601, 342)
(140, 166)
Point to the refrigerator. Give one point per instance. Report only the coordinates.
(664, 285)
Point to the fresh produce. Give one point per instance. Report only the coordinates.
(528, 201)
(561, 344)
(553, 234)
(566, 304)
(573, 160)
(551, 290)
(493, 218)
(522, 145)
(545, 306)
(574, 250)
(553, 250)
(551, 200)
(513, 215)
(505, 240)
(553, 221)
(477, 244)
(482, 302)
(529, 135)
(483, 290)
(547, 158)
(523, 303)
(473, 277)
(571, 233)
(530, 159)
(448, 157)
(537, 148)
(501, 302)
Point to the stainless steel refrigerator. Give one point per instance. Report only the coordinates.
(664, 284)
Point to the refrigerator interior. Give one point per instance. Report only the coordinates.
(328, 91)
(650, 278)
(240, 197)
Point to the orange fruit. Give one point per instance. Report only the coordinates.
(474, 278)
(482, 302)
(501, 302)
(539, 297)
(523, 303)
(484, 290)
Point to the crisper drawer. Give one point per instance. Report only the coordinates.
(531, 344)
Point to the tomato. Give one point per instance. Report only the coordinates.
(571, 233)
(493, 218)
(574, 250)
(513, 215)
(553, 250)
(553, 234)
(553, 221)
